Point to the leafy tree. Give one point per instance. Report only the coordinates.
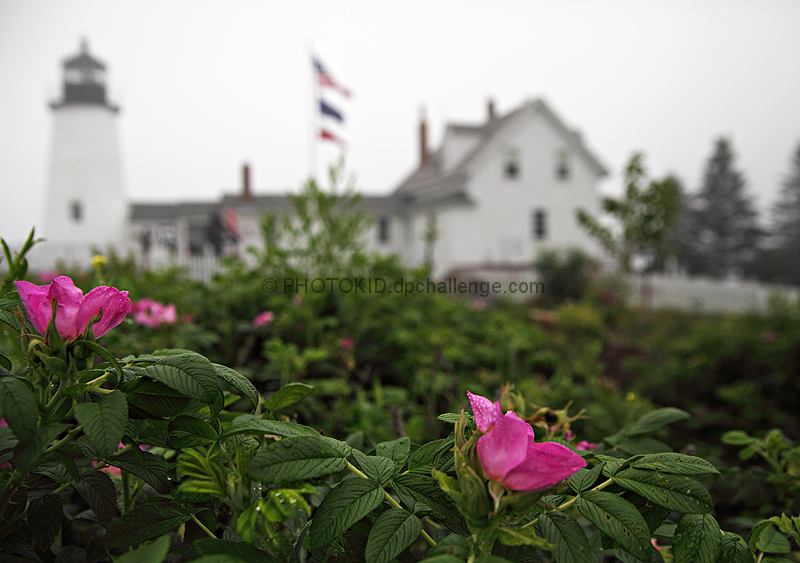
(647, 216)
(718, 232)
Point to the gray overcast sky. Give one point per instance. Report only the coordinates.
(206, 86)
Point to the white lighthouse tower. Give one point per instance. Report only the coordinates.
(85, 205)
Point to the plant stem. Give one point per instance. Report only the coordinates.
(391, 501)
(202, 527)
(62, 441)
(571, 501)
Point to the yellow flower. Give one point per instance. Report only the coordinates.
(631, 396)
(98, 261)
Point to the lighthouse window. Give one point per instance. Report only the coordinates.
(76, 211)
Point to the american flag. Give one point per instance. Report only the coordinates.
(325, 80)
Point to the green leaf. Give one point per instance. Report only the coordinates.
(396, 450)
(492, 559)
(220, 558)
(18, 406)
(674, 492)
(99, 492)
(44, 520)
(642, 445)
(5, 366)
(773, 541)
(26, 454)
(145, 522)
(238, 381)
(450, 417)
(156, 552)
(517, 535)
(736, 438)
(649, 423)
(563, 531)
(8, 306)
(677, 464)
(585, 478)
(185, 424)
(191, 374)
(733, 549)
(619, 519)
(392, 532)
(150, 468)
(104, 422)
(697, 539)
(298, 458)
(429, 453)
(274, 427)
(148, 398)
(452, 544)
(375, 467)
(423, 488)
(443, 559)
(242, 551)
(344, 505)
(287, 396)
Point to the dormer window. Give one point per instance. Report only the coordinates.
(511, 168)
(562, 165)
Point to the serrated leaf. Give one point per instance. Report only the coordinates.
(396, 450)
(5, 366)
(259, 427)
(585, 478)
(191, 374)
(18, 406)
(375, 467)
(697, 539)
(674, 492)
(99, 492)
(452, 544)
(428, 453)
(344, 505)
(425, 489)
(391, 533)
(442, 559)
(242, 551)
(44, 520)
(287, 396)
(194, 426)
(733, 549)
(449, 417)
(773, 541)
(238, 381)
(619, 519)
(145, 522)
(150, 468)
(642, 445)
(492, 559)
(298, 458)
(104, 422)
(8, 306)
(677, 464)
(156, 552)
(563, 531)
(27, 453)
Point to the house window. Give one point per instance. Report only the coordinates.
(562, 165)
(383, 230)
(511, 167)
(76, 211)
(540, 224)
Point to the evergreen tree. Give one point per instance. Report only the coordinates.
(718, 231)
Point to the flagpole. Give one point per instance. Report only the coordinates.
(314, 119)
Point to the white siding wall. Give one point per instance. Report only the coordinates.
(85, 169)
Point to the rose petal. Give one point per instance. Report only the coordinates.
(505, 446)
(545, 465)
(37, 304)
(484, 411)
(115, 305)
(68, 301)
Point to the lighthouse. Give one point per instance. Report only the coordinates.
(85, 206)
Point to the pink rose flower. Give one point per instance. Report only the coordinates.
(151, 313)
(297, 300)
(47, 276)
(74, 310)
(584, 445)
(509, 455)
(347, 343)
(262, 319)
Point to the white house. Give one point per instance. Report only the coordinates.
(497, 193)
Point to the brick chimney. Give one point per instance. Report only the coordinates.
(423, 138)
(490, 109)
(247, 195)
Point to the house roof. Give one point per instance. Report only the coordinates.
(430, 182)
